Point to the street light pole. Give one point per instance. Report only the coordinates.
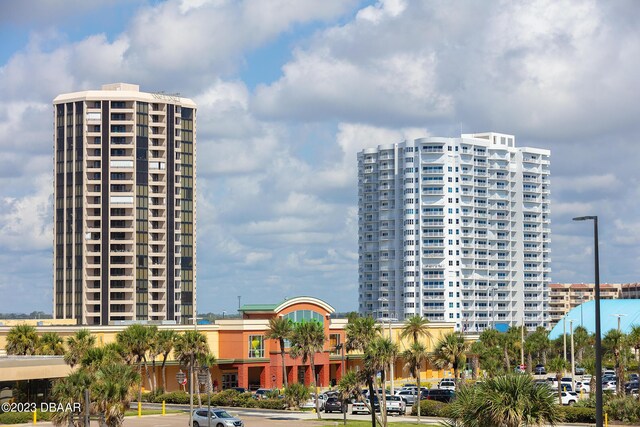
(598, 349)
(564, 336)
(573, 360)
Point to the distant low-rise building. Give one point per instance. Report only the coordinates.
(566, 296)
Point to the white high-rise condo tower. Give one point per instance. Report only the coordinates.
(456, 230)
(124, 218)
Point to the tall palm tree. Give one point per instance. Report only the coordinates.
(50, 344)
(416, 327)
(450, 352)
(581, 340)
(136, 340)
(348, 387)
(78, 345)
(165, 339)
(206, 362)
(280, 328)
(188, 347)
(613, 343)
(22, 340)
(308, 339)
(559, 366)
(361, 331)
(415, 356)
(505, 401)
(379, 356)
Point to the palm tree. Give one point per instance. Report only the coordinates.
(206, 362)
(559, 366)
(112, 391)
(50, 344)
(450, 353)
(379, 356)
(67, 391)
(416, 326)
(136, 340)
(361, 331)
(165, 340)
(78, 345)
(280, 328)
(613, 343)
(96, 357)
(589, 365)
(415, 356)
(505, 401)
(188, 347)
(634, 341)
(348, 387)
(581, 340)
(307, 339)
(22, 340)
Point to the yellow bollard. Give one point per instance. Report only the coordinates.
(139, 409)
(581, 393)
(164, 408)
(35, 417)
(606, 420)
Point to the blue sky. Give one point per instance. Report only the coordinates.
(289, 91)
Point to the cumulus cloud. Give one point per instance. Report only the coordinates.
(276, 184)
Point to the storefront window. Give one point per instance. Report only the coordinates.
(256, 346)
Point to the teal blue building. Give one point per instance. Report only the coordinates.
(628, 310)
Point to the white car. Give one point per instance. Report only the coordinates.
(583, 386)
(219, 418)
(360, 407)
(447, 385)
(569, 398)
(609, 386)
(311, 403)
(395, 404)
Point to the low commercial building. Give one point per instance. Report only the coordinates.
(245, 357)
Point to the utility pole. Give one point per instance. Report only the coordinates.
(573, 362)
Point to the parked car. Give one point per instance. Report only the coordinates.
(447, 385)
(219, 418)
(609, 386)
(609, 372)
(261, 393)
(630, 386)
(633, 377)
(540, 370)
(569, 398)
(409, 396)
(360, 408)
(396, 405)
(580, 371)
(441, 395)
(240, 389)
(333, 404)
(583, 386)
(311, 403)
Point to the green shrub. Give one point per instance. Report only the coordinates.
(23, 417)
(431, 408)
(272, 394)
(625, 409)
(271, 404)
(576, 414)
(179, 397)
(296, 394)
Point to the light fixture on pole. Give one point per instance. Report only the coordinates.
(619, 316)
(598, 344)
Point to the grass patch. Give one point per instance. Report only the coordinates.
(134, 412)
(362, 423)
